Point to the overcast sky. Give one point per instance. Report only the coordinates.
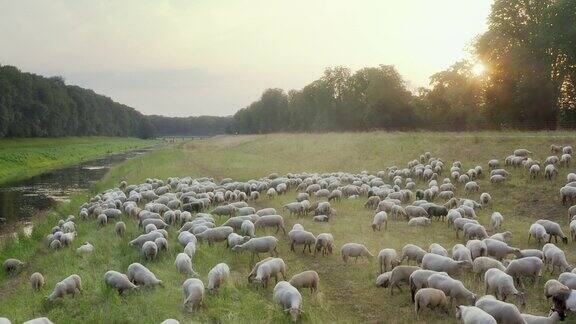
(212, 57)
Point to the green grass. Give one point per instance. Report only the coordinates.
(21, 158)
(347, 293)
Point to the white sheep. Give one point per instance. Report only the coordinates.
(501, 311)
(267, 269)
(554, 258)
(473, 315)
(437, 249)
(141, 276)
(247, 228)
(289, 298)
(217, 276)
(183, 264)
(85, 249)
(69, 286)
(430, 298)
(387, 259)
(451, 287)
(419, 221)
(306, 279)
(37, 281)
(324, 243)
(193, 293)
(411, 252)
(441, 263)
(118, 281)
(496, 220)
(499, 283)
(354, 250)
(149, 250)
(379, 219)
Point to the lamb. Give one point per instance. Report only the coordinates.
(354, 250)
(399, 275)
(270, 268)
(539, 232)
(302, 238)
(553, 229)
(430, 297)
(499, 250)
(85, 249)
(183, 264)
(473, 315)
(503, 237)
(379, 219)
(565, 159)
(68, 286)
(271, 221)
(451, 287)
(217, 276)
(419, 221)
(118, 281)
(496, 220)
(553, 318)
(438, 249)
(306, 279)
(387, 259)
(525, 267)
(419, 279)
(502, 312)
(441, 263)
(216, 234)
(259, 245)
(412, 252)
(12, 265)
(193, 293)
(149, 250)
(325, 243)
(289, 298)
(247, 228)
(37, 281)
(120, 229)
(140, 275)
(555, 257)
(499, 283)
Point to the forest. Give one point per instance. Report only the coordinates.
(528, 51)
(190, 126)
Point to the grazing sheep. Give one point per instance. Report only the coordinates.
(471, 186)
(140, 240)
(217, 276)
(504, 236)
(412, 252)
(321, 218)
(451, 287)
(354, 250)
(553, 318)
(522, 152)
(102, 220)
(553, 229)
(419, 221)
(497, 178)
(473, 315)
(438, 249)
(161, 244)
(267, 211)
(257, 245)
(68, 286)
(235, 239)
(216, 234)
(493, 164)
(485, 199)
(379, 219)
(399, 275)
(85, 249)
(499, 250)
(431, 298)
(550, 172)
(483, 264)
(383, 280)
(415, 211)
(440, 263)
(496, 220)
(532, 253)
(268, 269)
(498, 283)
(460, 222)
(525, 267)
(141, 276)
(568, 279)
(539, 232)
(306, 279)
(325, 243)
(301, 237)
(248, 228)
(568, 196)
(554, 288)
(534, 171)
(289, 298)
(475, 231)
(12, 265)
(120, 229)
(149, 250)
(387, 259)
(118, 281)
(419, 279)
(193, 293)
(502, 312)
(37, 281)
(271, 221)
(183, 264)
(555, 257)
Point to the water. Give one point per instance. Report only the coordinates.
(21, 200)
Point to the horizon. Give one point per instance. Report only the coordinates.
(204, 58)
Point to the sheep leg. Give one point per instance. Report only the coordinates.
(304, 249)
(310, 248)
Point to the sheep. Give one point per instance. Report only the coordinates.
(555, 257)
(12, 266)
(534, 171)
(37, 281)
(461, 253)
(419, 221)
(183, 264)
(387, 259)
(140, 275)
(149, 228)
(55, 245)
(161, 244)
(412, 252)
(149, 250)
(497, 178)
(39, 320)
(419, 279)
(118, 281)
(235, 239)
(217, 276)
(551, 160)
(504, 236)
(415, 211)
(440, 263)
(550, 172)
(438, 249)
(301, 238)
(525, 267)
(568, 279)
(553, 229)
(499, 249)
(379, 219)
(482, 264)
(568, 195)
(102, 220)
(85, 249)
(137, 242)
(496, 220)
(473, 315)
(471, 186)
(259, 245)
(306, 279)
(451, 287)
(553, 318)
(67, 238)
(372, 202)
(475, 231)
(170, 321)
(399, 275)
(269, 268)
(500, 283)
(216, 234)
(430, 297)
(539, 232)
(68, 286)
(485, 199)
(502, 312)
(193, 293)
(460, 222)
(120, 229)
(289, 298)
(267, 211)
(532, 253)
(493, 164)
(383, 280)
(227, 210)
(247, 228)
(325, 243)
(565, 159)
(354, 250)
(271, 221)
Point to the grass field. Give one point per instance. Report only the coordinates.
(21, 158)
(347, 292)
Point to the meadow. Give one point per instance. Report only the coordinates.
(21, 158)
(347, 293)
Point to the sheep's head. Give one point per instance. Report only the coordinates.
(520, 298)
(294, 313)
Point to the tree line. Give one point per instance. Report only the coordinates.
(529, 52)
(36, 106)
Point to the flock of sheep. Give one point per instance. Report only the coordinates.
(184, 202)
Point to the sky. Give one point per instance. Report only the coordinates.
(213, 57)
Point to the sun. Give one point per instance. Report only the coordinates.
(478, 69)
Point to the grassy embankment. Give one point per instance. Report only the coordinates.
(21, 158)
(347, 293)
